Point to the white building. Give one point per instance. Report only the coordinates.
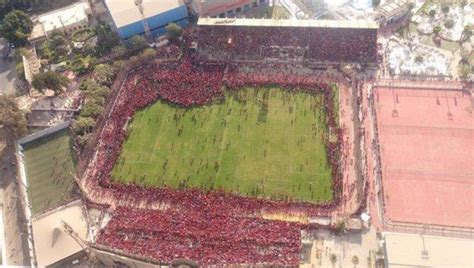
(67, 19)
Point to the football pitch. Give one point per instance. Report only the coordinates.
(49, 164)
(256, 142)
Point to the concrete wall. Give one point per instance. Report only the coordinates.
(156, 23)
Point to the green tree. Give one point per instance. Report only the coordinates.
(173, 31)
(50, 80)
(445, 8)
(465, 70)
(12, 119)
(83, 139)
(16, 27)
(137, 43)
(375, 3)
(355, 260)
(449, 24)
(99, 92)
(83, 125)
(148, 53)
(436, 30)
(104, 74)
(88, 84)
(119, 50)
(91, 109)
(432, 13)
(106, 38)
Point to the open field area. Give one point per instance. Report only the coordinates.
(49, 163)
(266, 143)
(427, 155)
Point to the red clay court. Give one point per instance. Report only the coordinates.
(427, 153)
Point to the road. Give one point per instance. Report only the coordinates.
(13, 215)
(7, 73)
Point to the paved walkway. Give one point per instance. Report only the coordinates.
(7, 73)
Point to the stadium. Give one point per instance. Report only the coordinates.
(248, 146)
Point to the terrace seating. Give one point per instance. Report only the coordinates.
(323, 44)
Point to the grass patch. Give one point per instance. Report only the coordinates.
(49, 163)
(258, 142)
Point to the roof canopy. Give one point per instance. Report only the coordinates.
(366, 24)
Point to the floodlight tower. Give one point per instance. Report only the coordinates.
(139, 5)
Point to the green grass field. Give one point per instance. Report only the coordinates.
(49, 163)
(266, 143)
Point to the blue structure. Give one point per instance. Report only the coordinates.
(129, 24)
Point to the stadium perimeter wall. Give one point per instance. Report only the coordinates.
(23, 181)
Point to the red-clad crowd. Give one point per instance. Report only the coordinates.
(322, 44)
(210, 227)
(205, 238)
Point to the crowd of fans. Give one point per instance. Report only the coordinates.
(210, 227)
(205, 238)
(322, 44)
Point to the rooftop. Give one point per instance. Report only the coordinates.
(409, 250)
(52, 241)
(64, 16)
(125, 12)
(289, 23)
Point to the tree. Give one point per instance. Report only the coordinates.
(12, 119)
(375, 3)
(432, 13)
(83, 139)
(445, 9)
(465, 70)
(16, 27)
(466, 33)
(137, 43)
(99, 92)
(91, 109)
(119, 50)
(173, 31)
(106, 38)
(83, 125)
(148, 53)
(419, 59)
(449, 23)
(104, 74)
(88, 84)
(355, 260)
(333, 258)
(436, 30)
(50, 80)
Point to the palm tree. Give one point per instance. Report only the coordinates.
(139, 5)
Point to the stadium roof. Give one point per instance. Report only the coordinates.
(52, 243)
(125, 12)
(413, 250)
(289, 23)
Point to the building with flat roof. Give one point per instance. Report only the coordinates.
(67, 19)
(413, 250)
(352, 24)
(224, 8)
(132, 19)
(60, 234)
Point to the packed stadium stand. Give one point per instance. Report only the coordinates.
(306, 40)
